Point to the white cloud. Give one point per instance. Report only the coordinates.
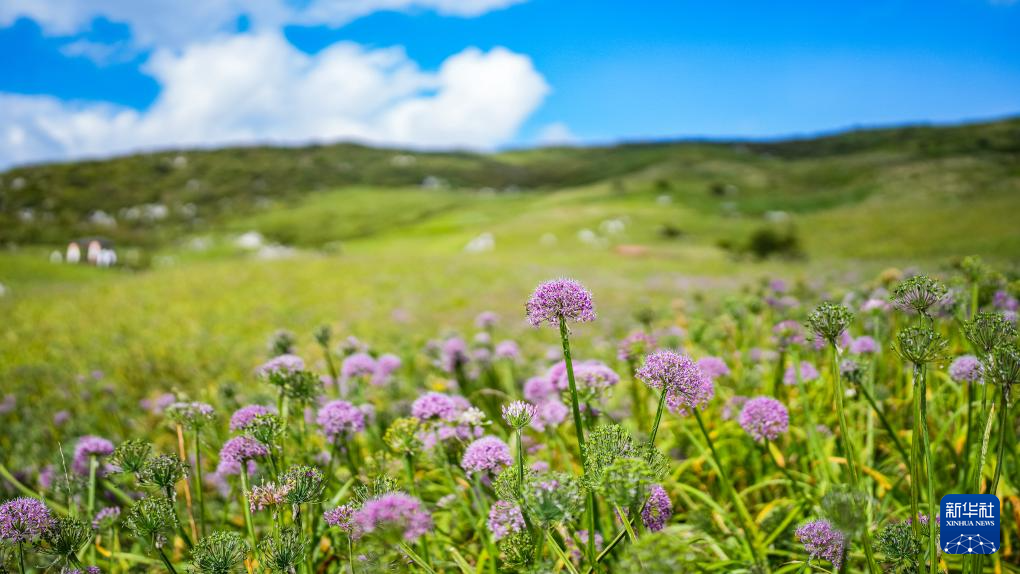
(177, 23)
(556, 133)
(259, 88)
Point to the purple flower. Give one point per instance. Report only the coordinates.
(821, 540)
(634, 346)
(863, 345)
(508, 350)
(1003, 301)
(875, 305)
(538, 389)
(282, 364)
(519, 413)
(560, 298)
(339, 419)
(681, 379)
(550, 413)
(434, 406)
(486, 320)
(966, 369)
(393, 511)
(658, 509)
(593, 376)
(713, 367)
(808, 373)
(60, 418)
(385, 366)
(764, 418)
(454, 354)
(357, 365)
(486, 455)
(787, 334)
(244, 416)
(159, 404)
(24, 520)
(105, 517)
(341, 517)
(9, 403)
(505, 518)
(89, 446)
(237, 451)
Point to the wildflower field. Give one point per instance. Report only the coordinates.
(590, 376)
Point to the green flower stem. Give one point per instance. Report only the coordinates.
(578, 428)
(166, 561)
(520, 460)
(1002, 442)
(93, 468)
(930, 472)
(21, 556)
(199, 496)
(244, 503)
(915, 471)
(851, 457)
(658, 415)
(561, 554)
(753, 536)
(885, 424)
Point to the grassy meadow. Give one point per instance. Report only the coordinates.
(670, 238)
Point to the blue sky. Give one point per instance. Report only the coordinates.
(96, 77)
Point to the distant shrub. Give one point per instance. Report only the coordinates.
(670, 231)
(772, 241)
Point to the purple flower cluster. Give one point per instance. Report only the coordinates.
(237, 451)
(393, 511)
(24, 520)
(592, 376)
(434, 406)
(505, 518)
(685, 386)
(538, 389)
(808, 373)
(453, 354)
(508, 350)
(244, 416)
(713, 367)
(486, 455)
(821, 540)
(385, 366)
(519, 413)
(341, 517)
(560, 298)
(966, 369)
(87, 447)
(549, 413)
(863, 345)
(787, 333)
(658, 509)
(634, 346)
(105, 517)
(340, 419)
(764, 418)
(281, 364)
(357, 365)
(486, 320)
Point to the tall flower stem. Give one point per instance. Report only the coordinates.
(166, 561)
(198, 484)
(747, 523)
(21, 556)
(183, 451)
(658, 415)
(851, 457)
(578, 428)
(636, 395)
(930, 473)
(244, 503)
(93, 469)
(520, 459)
(1002, 441)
